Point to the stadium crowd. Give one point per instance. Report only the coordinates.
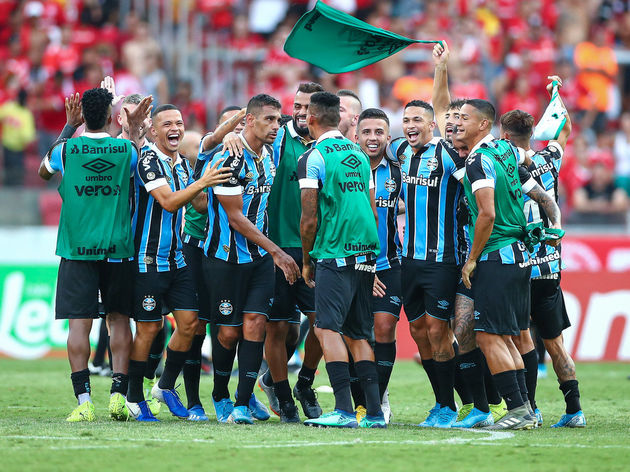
(502, 50)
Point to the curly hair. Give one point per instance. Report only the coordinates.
(96, 104)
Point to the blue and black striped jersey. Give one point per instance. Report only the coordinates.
(387, 183)
(157, 231)
(430, 191)
(544, 169)
(252, 177)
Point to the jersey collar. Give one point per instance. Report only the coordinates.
(434, 141)
(295, 135)
(486, 139)
(263, 154)
(103, 134)
(333, 133)
(166, 158)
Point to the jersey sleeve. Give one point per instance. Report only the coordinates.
(527, 181)
(150, 172)
(205, 155)
(235, 185)
(53, 161)
(480, 172)
(134, 159)
(457, 165)
(553, 153)
(311, 169)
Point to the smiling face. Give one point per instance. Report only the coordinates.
(373, 136)
(471, 126)
(417, 126)
(451, 117)
(168, 130)
(300, 107)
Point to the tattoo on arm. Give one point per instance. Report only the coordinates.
(548, 204)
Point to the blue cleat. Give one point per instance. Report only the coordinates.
(373, 422)
(223, 409)
(171, 400)
(197, 413)
(446, 418)
(574, 420)
(475, 419)
(539, 416)
(241, 415)
(432, 418)
(258, 409)
(334, 419)
(140, 412)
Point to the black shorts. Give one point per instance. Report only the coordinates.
(158, 293)
(548, 309)
(78, 285)
(392, 301)
(193, 254)
(502, 298)
(429, 288)
(290, 300)
(343, 298)
(239, 288)
(461, 288)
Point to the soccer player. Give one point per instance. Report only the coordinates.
(547, 302)
(498, 259)
(349, 111)
(338, 229)
(430, 192)
(239, 266)
(373, 137)
(194, 235)
(164, 185)
(95, 225)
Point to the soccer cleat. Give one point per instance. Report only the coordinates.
(360, 413)
(153, 404)
(171, 399)
(573, 420)
(117, 409)
(334, 419)
(274, 405)
(542, 371)
(289, 413)
(464, 411)
(258, 408)
(498, 411)
(140, 412)
(308, 400)
(197, 413)
(475, 419)
(539, 416)
(518, 418)
(386, 407)
(372, 422)
(83, 412)
(446, 418)
(223, 409)
(532, 415)
(241, 415)
(432, 418)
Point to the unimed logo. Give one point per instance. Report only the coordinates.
(98, 166)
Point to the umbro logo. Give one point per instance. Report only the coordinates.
(351, 161)
(98, 166)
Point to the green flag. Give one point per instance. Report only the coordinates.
(338, 42)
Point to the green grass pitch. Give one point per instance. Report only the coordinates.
(37, 396)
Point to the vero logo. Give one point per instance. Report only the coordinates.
(351, 161)
(98, 166)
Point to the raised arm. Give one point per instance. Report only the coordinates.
(563, 137)
(211, 140)
(440, 96)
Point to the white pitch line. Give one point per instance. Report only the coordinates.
(87, 438)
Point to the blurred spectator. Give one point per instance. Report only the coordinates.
(18, 131)
(193, 111)
(154, 81)
(521, 96)
(622, 153)
(48, 103)
(600, 200)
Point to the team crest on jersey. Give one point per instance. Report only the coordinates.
(233, 181)
(390, 185)
(225, 307)
(272, 169)
(150, 175)
(148, 303)
(148, 260)
(168, 179)
(432, 164)
(226, 248)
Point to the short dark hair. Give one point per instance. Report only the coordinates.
(484, 107)
(161, 108)
(310, 87)
(349, 93)
(96, 104)
(257, 102)
(325, 106)
(373, 113)
(518, 123)
(228, 108)
(421, 104)
(133, 99)
(456, 104)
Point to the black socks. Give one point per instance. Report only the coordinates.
(80, 382)
(120, 383)
(571, 393)
(384, 356)
(172, 367)
(305, 378)
(339, 376)
(250, 355)
(135, 393)
(192, 371)
(429, 368)
(222, 362)
(509, 389)
(470, 366)
(445, 374)
(530, 360)
(366, 371)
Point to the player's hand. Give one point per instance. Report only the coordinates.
(74, 115)
(378, 290)
(108, 84)
(137, 118)
(440, 53)
(554, 242)
(308, 272)
(467, 272)
(552, 79)
(287, 265)
(215, 176)
(233, 144)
